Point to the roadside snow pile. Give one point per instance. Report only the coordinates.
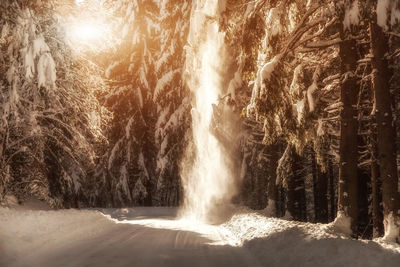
(277, 242)
(251, 225)
(139, 213)
(342, 223)
(11, 201)
(33, 232)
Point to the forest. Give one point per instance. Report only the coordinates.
(306, 116)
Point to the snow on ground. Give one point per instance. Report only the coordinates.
(154, 237)
(277, 242)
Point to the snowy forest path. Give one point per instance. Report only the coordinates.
(154, 236)
(86, 238)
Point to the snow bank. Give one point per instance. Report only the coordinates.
(277, 242)
(270, 210)
(11, 202)
(391, 228)
(342, 223)
(27, 234)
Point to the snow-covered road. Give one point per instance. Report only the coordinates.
(150, 237)
(153, 237)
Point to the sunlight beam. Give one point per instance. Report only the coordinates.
(206, 172)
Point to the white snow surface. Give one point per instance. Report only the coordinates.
(391, 228)
(342, 223)
(33, 236)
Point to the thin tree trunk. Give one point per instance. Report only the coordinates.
(385, 126)
(296, 191)
(332, 195)
(376, 183)
(272, 189)
(347, 190)
(377, 216)
(315, 187)
(364, 220)
(320, 193)
(291, 205)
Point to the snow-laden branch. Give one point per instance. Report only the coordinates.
(323, 43)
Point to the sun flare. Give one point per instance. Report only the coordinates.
(92, 28)
(86, 32)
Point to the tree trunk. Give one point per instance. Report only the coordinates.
(332, 192)
(300, 188)
(377, 216)
(386, 131)
(315, 186)
(347, 189)
(296, 203)
(364, 220)
(320, 193)
(272, 189)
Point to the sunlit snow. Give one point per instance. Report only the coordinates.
(155, 237)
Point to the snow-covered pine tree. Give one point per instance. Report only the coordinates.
(50, 119)
(386, 132)
(279, 55)
(150, 102)
(172, 100)
(290, 173)
(128, 167)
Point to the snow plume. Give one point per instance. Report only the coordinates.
(207, 178)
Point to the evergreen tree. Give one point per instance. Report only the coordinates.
(386, 135)
(347, 188)
(51, 121)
